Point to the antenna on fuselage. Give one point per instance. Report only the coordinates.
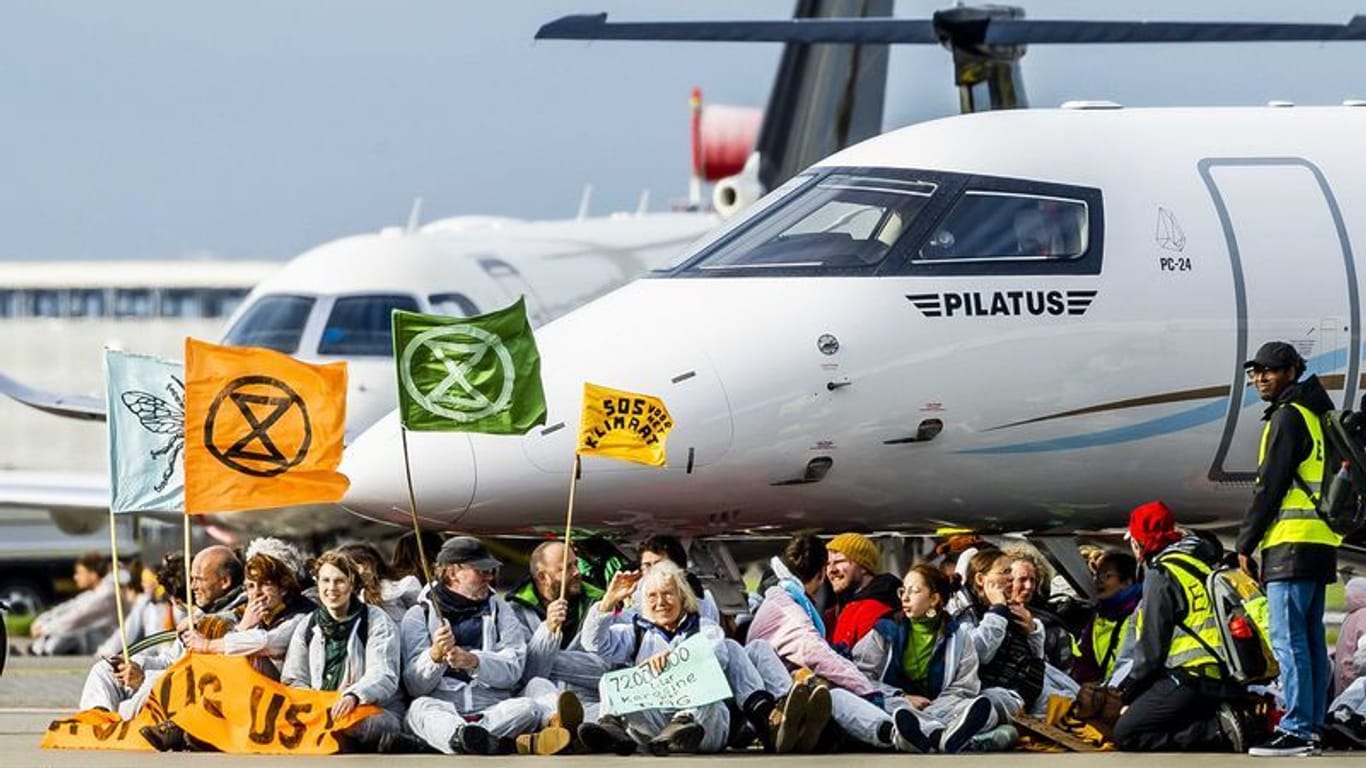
(585, 200)
(643, 205)
(414, 217)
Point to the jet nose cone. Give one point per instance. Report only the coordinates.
(443, 475)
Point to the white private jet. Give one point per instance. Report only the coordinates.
(1026, 320)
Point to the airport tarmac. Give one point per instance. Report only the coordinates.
(33, 692)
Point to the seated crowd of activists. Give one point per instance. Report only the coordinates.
(937, 659)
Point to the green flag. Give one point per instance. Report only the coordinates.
(468, 374)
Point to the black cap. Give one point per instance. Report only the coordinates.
(467, 551)
(1276, 355)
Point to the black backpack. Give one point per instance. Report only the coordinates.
(1342, 500)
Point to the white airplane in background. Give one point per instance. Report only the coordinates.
(333, 302)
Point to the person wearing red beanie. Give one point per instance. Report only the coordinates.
(1177, 697)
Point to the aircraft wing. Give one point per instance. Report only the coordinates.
(71, 406)
(988, 31)
(68, 491)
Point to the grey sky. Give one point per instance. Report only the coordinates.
(257, 129)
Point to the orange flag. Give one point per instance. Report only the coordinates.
(261, 429)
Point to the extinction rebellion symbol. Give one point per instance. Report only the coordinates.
(467, 387)
(254, 422)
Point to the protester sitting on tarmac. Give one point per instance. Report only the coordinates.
(927, 665)
(216, 576)
(1009, 653)
(1105, 646)
(382, 590)
(80, 624)
(148, 613)
(1029, 578)
(863, 595)
(555, 625)
(274, 608)
(787, 621)
(349, 647)
(670, 614)
(1177, 697)
(661, 547)
(464, 653)
(407, 560)
(1345, 669)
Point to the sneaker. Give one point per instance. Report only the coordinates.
(970, 722)
(551, 740)
(818, 711)
(1284, 745)
(397, 743)
(608, 734)
(790, 717)
(470, 739)
(1232, 727)
(681, 735)
(999, 739)
(908, 735)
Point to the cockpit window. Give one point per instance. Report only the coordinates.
(452, 305)
(845, 222)
(360, 325)
(992, 226)
(273, 322)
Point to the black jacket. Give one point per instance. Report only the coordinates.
(1288, 444)
(1163, 607)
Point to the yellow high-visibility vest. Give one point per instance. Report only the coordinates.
(1185, 650)
(1297, 521)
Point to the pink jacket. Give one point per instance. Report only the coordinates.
(784, 625)
(1353, 627)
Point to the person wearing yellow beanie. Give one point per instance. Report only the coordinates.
(863, 595)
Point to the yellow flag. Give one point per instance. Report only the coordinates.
(623, 425)
(261, 429)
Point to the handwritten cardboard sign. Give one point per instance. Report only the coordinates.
(691, 677)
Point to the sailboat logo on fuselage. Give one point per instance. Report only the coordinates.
(1003, 303)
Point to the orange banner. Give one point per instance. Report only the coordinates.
(221, 700)
(262, 429)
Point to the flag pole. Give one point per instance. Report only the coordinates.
(569, 524)
(412, 505)
(118, 586)
(189, 593)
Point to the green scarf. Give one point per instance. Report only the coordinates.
(921, 635)
(336, 635)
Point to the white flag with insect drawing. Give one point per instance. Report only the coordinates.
(146, 413)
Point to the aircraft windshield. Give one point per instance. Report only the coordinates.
(844, 222)
(361, 325)
(273, 322)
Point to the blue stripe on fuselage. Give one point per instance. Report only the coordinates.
(1175, 422)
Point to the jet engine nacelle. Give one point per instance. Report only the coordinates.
(735, 193)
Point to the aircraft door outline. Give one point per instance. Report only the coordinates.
(1219, 471)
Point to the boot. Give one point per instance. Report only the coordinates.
(568, 712)
(818, 710)
(165, 736)
(789, 718)
(759, 710)
(608, 734)
(552, 740)
(682, 735)
(471, 739)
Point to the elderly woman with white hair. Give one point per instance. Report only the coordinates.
(670, 614)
